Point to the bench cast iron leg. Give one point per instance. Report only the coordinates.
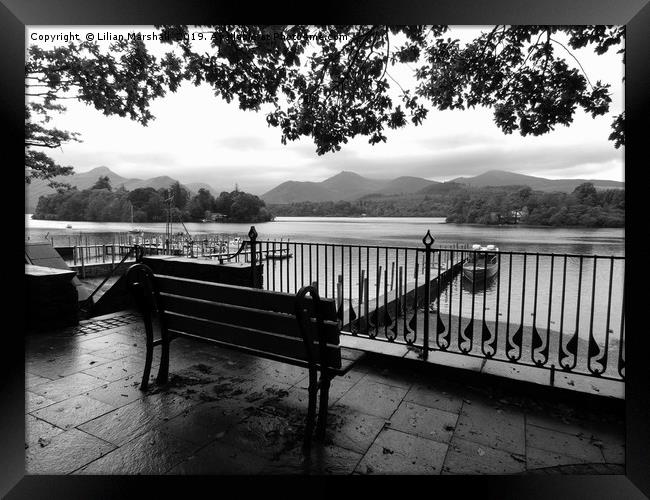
(149, 356)
(311, 408)
(322, 407)
(163, 370)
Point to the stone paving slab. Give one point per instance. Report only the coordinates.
(32, 380)
(204, 423)
(129, 421)
(469, 457)
(55, 367)
(439, 396)
(395, 452)
(117, 369)
(154, 452)
(221, 458)
(69, 386)
(119, 392)
(35, 401)
(65, 453)
(493, 427)
(39, 432)
(72, 412)
(353, 430)
(566, 444)
(539, 459)
(373, 398)
(425, 422)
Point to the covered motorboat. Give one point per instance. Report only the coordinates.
(482, 263)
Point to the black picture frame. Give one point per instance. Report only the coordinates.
(635, 14)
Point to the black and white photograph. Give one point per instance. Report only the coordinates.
(325, 250)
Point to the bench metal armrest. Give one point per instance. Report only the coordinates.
(140, 282)
(304, 324)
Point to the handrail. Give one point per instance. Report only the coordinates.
(139, 252)
(233, 255)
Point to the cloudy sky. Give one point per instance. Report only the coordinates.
(197, 137)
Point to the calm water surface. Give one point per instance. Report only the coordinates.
(392, 231)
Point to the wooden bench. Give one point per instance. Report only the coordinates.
(296, 329)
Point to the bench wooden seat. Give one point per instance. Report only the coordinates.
(300, 329)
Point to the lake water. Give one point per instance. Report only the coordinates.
(391, 231)
(564, 299)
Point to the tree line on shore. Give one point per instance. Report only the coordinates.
(102, 203)
(584, 207)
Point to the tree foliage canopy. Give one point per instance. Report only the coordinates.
(330, 83)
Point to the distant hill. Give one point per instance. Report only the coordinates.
(407, 185)
(343, 186)
(85, 180)
(503, 178)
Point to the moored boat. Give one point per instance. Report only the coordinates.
(481, 263)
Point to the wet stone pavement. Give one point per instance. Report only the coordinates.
(223, 412)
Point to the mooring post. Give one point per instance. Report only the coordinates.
(252, 234)
(428, 241)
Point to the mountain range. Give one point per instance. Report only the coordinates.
(349, 186)
(85, 180)
(503, 178)
(343, 186)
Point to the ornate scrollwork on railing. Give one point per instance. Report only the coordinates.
(488, 342)
(596, 355)
(514, 344)
(570, 359)
(538, 343)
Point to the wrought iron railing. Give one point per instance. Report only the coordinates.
(561, 312)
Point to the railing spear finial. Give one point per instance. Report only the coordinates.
(428, 239)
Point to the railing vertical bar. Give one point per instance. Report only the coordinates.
(550, 304)
(450, 294)
(377, 287)
(359, 288)
(333, 272)
(281, 257)
(350, 285)
(621, 338)
(325, 268)
(523, 292)
(295, 268)
(302, 265)
(268, 261)
(496, 314)
(310, 265)
(609, 308)
(561, 335)
(428, 241)
(438, 286)
(509, 301)
(266, 264)
(483, 324)
(386, 295)
(404, 294)
(367, 290)
(593, 304)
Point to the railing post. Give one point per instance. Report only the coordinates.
(252, 234)
(428, 241)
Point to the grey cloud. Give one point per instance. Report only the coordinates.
(242, 142)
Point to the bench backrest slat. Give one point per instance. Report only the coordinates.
(247, 317)
(289, 347)
(240, 296)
